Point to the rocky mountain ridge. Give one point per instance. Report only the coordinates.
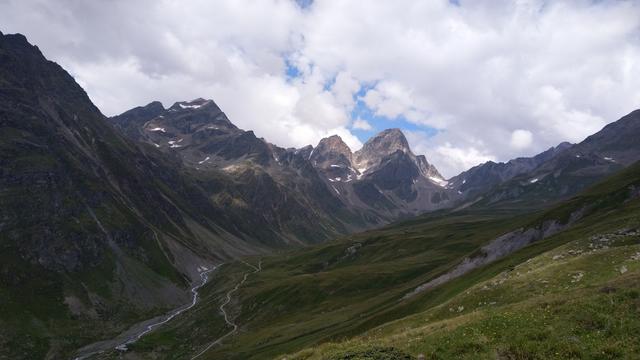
(383, 180)
(570, 169)
(378, 183)
(482, 178)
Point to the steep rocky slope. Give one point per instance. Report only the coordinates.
(573, 169)
(484, 177)
(96, 231)
(92, 230)
(379, 183)
(384, 175)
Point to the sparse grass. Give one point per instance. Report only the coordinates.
(579, 300)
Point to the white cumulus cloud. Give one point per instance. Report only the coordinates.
(470, 75)
(361, 124)
(521, 139)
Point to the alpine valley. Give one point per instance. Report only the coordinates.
(170, 233)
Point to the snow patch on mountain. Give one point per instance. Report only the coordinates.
(439, 181)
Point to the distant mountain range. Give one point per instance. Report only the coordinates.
(384, 180)
(379, 183)
(106, 221)
(557, 173)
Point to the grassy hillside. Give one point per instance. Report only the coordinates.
(573, 295)
(357, 285)
(580, 300)
(325, 292)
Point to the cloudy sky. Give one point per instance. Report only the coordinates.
(468, 81)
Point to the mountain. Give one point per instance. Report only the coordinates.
(384, 175)
(351, 191)
(482, 178)
(573, 169)
(272, 188)
(95, 233)
(387, 143)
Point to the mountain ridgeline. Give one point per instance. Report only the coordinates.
(106, 222)
(379, 183)
(556, 174)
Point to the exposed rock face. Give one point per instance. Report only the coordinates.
(484, 177)
(315, 182)
(428, 170)
(333, 158)
(127, 121)
(275, 191)
(331, 151)
(384, 144)
(501, 247)
(572, 169)
(384, 176)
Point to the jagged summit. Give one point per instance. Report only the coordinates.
(384, 143)
(195, 104)
(332, 151)
(154, 107)
(381, 145)
(384, 172)
(384, 178)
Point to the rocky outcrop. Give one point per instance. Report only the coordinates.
(500, 248)
(321, 183)
(383, 144)
(384, 176)
(330, 152)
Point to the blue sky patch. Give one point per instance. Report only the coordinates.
(304, 3)
(291, 71)
(379, 123)
(362, 111)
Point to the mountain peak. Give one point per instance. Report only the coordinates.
(391, 132)
(194, 104)
(334, 142)
(18, 38)
(387, 142)
(381, 145)
(332, 150)
(150, 110)
(154, 105)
